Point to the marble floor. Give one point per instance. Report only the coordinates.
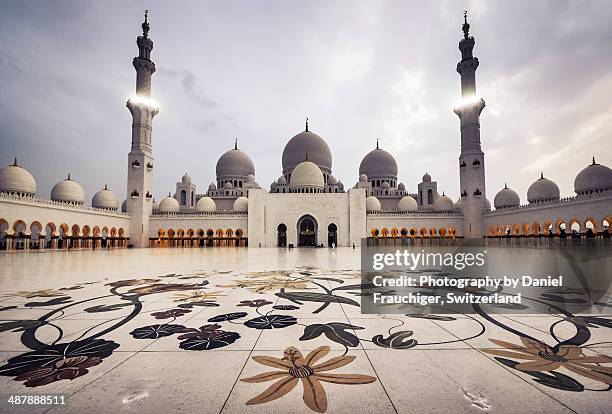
(223, 330)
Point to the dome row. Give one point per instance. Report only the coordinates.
(15, 179)
(170, 205)
(595, 178)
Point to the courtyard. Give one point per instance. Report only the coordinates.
(262, 330)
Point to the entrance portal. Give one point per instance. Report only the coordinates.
(307, 231)
(332, 235)
(281, 238)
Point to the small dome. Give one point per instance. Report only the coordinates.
(169, 205)
(212, 186)
(124, 206)
(542, 189)
(186, 179)
(363, 177)
(426, 178)
(378, 163)
(16, 179)
(250, 178)
(372, 204)
(281, 180)
(444, 203)
(155, 206)
(401, 187)
(506, 198)
(487, 204)
(307, 142)
(234, 163)
(594, 178)
(68, 191)
(228, 185)
(306, 174)
(340, 185)
(105, 199)
(241, 204)
(386, 184)
(407, 203)
(206, 205)
(333, 180)
(457, 205)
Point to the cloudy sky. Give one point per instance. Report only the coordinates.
(254, 69)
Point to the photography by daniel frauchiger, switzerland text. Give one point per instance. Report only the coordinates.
(459, 261)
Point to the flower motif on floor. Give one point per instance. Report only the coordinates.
(541, 357)
(207, 337)
(170, 313)
(58, 362)
(293, 368)
(69, 368)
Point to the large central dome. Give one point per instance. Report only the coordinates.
(234, 163)
(307, 144)
(378, 163)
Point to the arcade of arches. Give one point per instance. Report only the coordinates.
(574, 227)
(36, 236)
(199, 238)
(412, 232)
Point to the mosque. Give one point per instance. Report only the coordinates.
(306, 206)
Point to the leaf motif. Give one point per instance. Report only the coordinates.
(334, 331)
(556, 380)
(190, 305)
(285, 307)
(227, 317)
(20, 325)
(157, 331)
(51, 302)
(106, 308)
(397, 340)
(204, 344)
(432, 317)
(49, 355)
(271, 322)
(302, 296)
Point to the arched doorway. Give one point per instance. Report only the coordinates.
(332, 235)
(307, 231)
(281, 235)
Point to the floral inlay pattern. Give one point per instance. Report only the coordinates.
(293, 368)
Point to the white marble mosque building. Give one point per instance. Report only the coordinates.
(307, 205)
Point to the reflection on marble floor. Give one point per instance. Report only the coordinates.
(261, 330)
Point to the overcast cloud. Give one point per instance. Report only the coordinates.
(360, 70)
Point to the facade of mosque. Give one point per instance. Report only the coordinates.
(306, 206)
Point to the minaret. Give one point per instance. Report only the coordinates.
(140, 158)
(471, 160)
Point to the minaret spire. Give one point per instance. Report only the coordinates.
(377, 147)
(16, 165)
(466, 26)
(236, 144)
(145, 25)
(306, 124)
